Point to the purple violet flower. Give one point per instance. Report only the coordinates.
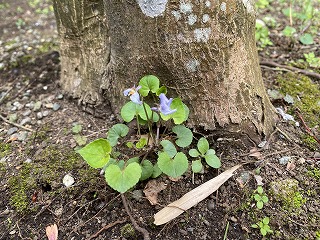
(165, 105)
(133, 94)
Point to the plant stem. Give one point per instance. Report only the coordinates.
(149, 123)
(226, 231)
(138, 125)
(145, 233)
(158, 133)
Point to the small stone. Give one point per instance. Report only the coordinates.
(45, 113)
(39, 115)
(60, 96)
(12, 131)
(25, 121)
(44, 87)
(262, 144)
(18, 105)
(56, 106)
(28, 160)
(233, 219)
(12, 232)
(68, 180)
(49, 105)
(37, 106)
(30, 105)
(284, 160)
(26, 113)
(301, 160)
(22, 136)
(58, 212)
(211, 205)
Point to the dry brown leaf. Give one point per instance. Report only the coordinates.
(152, 189)
(241, 183)
(175, 179)
(52, 232)
(258, 180)
(254, 152)
(290, 166)
(193, 197)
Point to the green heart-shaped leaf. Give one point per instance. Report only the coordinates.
(162, 89)
(173, 167)
(203, 145)
(212, 160)
(169, 148)
(184, 135)
(123, 180)
(156, 171)
(147, 169)
(130, 110)
(306, 39)
(148, 83)
(196, 166)
(96, 153)
(142, 112)
(117, 131)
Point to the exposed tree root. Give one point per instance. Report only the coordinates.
(294, 69)
(145, 233)
(106, 227)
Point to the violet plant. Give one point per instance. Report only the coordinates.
(126, 160)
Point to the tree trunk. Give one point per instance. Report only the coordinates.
(202, 50)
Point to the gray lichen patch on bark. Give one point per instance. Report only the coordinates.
(152, 8)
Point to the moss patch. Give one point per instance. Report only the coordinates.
(287, 192)
(314, 173)
(47, 169)
(5, 149)
(21, 186)
(305, 93)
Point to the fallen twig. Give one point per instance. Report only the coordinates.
(15, 124)
(294, 69)
(306, 127)
(110, 225)
(145, 233)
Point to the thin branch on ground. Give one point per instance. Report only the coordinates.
(5, 95)
(145, 233)
(294, 69)
(279, 152)
(307, 128)
(110, 225)
(15, 124)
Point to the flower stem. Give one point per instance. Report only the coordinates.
(138, 125)
(150, 135)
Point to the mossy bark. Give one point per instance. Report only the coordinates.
(203, 51)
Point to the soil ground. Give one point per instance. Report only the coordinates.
(38, 142)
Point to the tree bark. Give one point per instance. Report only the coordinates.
(202, 50)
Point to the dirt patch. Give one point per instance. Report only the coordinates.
(37, 150)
